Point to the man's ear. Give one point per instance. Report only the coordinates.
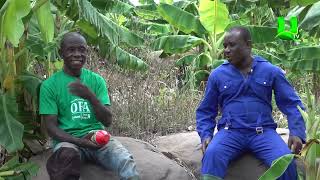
(249, 43)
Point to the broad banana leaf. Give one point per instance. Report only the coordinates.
(89, 29)
(113, 6)
(45, 21)
(262, 34)
(13, 26)
(11, 130)
(166, 1)
(186, 60)
(73, 10)
(128, 60)
(147, 2)
(176, 43)
(217, 63)
(201, 75)
(278, 167)
(312, 18)
(214, 15)
(272, 58)
(302, 2)
(203, 61)
(147, 12)
(184, 21)
(149, 27)
(28, 169)
(124, 59)
(107, 28)
(303, 58)
(31, 83)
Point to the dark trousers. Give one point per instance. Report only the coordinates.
(64, 164)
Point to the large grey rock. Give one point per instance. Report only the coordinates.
(151, 164)
(186, 148)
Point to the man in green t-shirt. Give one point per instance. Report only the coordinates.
(74, 102)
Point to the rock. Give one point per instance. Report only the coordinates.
(186, 148)
(151, 164)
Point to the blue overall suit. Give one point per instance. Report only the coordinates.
(246, 123)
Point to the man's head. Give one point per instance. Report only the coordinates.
(73, 50)
(237, 45)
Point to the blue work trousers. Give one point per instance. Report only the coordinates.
(228, 144)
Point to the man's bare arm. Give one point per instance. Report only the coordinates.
(103, 113)
(51, 122)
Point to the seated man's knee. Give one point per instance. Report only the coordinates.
(64, 163)
(214, 154)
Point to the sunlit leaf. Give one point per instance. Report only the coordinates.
(176, 43)
(13, 25)
(312, 18)
(107, 28)
(186, 60)
(214, 15)
(46, 22)
(184, 21)
(278, 167)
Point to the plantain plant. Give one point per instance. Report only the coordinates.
(310, 153)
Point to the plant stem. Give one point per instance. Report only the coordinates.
(7, 173)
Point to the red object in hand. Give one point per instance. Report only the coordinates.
(101, 137)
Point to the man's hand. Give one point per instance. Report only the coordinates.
(87, 143)
(205, 144)
(79, 89)
(295, 144)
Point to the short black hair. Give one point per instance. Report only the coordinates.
(70, 35)
(244, 32)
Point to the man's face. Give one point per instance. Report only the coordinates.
(74, 53)
(235, 48)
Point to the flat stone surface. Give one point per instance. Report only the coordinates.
(186, 147)
(151, 164)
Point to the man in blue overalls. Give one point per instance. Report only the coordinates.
(241, 89)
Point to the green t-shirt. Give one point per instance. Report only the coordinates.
(75, 115)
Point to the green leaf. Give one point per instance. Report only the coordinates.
(262, 34)
(45, 21)
(217, 63)
(303, 58)
(87, 28)
(186, 60)
(303, 2)
(30, 82)
(113, 6)
(29, 167)
(278, 167)
(13, 162)
(176, 43)
(166, 1)
(203, 61)
(149, 27)
(11, 130)
(201, 75)
(128, 60)
(213, 15)
(184, 21)
(124, 59)
(13, 25)
(107, 28)
(312, 18)
(148, 12)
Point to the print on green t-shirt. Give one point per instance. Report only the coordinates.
(75, 115)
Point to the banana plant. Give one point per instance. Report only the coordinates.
(13, 169)
(310, 153)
